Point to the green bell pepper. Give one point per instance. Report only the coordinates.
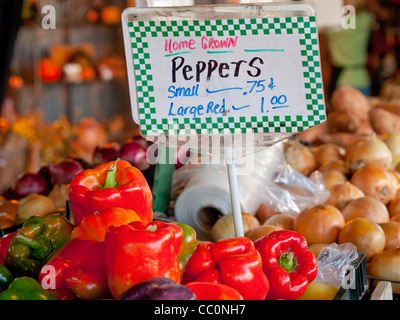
(189, 243)
(26, 288)
(36, 242)
(5, 277)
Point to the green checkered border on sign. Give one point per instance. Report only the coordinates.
(305, 26)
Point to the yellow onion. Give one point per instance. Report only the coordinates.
(349, 100)
(341, 194)
(392, 140)
(368, 208)
(299, 157)
(315, 248)
(261, 231)
(224, 227)
(332, 178)
(374, 182)
(392, 234)
(338, 165)
(327, 152)
(282, 220)
(365, 234)
(386, 264)
(264, 212)
(394, 207)
(395, 218)
(370, 151)
(319, 224)
(34, 204)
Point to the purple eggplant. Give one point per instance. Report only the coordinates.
(31, 183)
(65, 171)
(135, 153)
(158, 288)
(106, 153)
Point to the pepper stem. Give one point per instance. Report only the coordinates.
(111, 181)
(286, 261)
(41, 246)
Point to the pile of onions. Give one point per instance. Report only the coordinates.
(375, 182)
(261, 231)
(386, 264)
(282, 220)
(224, 227)
(365, 234)
(392, 140)
(299, 157)
(341, 194)
(394, 207)
(392, 234)
(368, 208)
(319, 224)
(370, 151)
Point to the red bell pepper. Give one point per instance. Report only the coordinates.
(113, 184)
(213, 291)
(138, 251)
(234, 262)
(77, 271)
(95, 226)
(4, 244)
(287, 264)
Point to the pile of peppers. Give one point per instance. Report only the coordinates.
(115, 250)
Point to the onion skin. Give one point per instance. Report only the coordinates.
(368, 208)
(369, 151)
(386, 264)
(299, 157)
(283, 220)
(341, 194)
(349, 100)
(392, 234)
(392, 140)
(328, 152)
(224, 227)
(338, 165)
(319, 224)
(394, 207)
(374, 182)
(315, 248)
(264, 212)
(365, 234)
(261, 231)
(332, 178)
(395, 218)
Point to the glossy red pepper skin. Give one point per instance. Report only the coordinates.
(77, 271)
(234, 262)
(213, 291)
(4, 245)
(138, 251)
(89, 193)
(287, 264)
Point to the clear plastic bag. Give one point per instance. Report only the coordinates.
(333, 262)
(272, 182)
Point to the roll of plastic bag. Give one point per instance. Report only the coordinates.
(205, 189)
